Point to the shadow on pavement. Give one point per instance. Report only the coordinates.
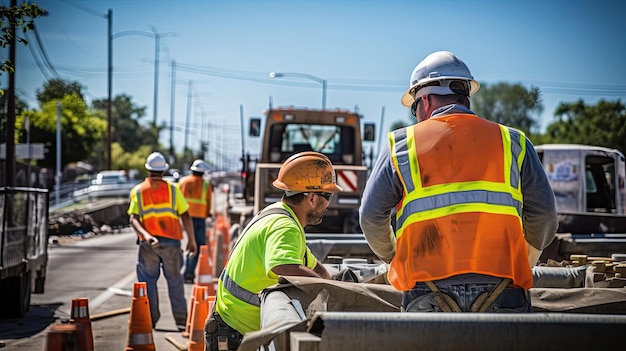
(38, 318)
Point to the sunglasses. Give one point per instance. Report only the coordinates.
(327, 196)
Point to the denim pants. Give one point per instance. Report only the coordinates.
(422, 299)
(199, 232)
(150, 260)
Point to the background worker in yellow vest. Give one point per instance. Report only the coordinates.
(156, 210)
(271, 245)
(197, 191)
(472, 204)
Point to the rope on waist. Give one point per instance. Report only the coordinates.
(481, 304)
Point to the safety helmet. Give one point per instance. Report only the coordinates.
(156, 162)
(199, 166)
(438, 66)
(307, 171)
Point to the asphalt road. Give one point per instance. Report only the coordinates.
(101, 269)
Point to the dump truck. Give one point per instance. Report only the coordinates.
(336, 134)
(588, 185)
(23, 247)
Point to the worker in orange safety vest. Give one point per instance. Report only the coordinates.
(197, 191)
(156, 210)
(473, 207)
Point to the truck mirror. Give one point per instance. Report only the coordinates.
(369, 131)
(254, 129)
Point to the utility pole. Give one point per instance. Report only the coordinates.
(189, 84)
(172, 111)
(10, 130)
(110, 86)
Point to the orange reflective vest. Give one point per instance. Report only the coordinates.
(459, 214)
(197, 192)
(156, 201)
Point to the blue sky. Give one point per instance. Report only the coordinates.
(365, 50)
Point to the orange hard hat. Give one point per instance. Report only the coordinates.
(307, 172)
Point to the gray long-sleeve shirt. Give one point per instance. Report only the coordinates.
(383, 191)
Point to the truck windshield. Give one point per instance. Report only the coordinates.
(331, 140)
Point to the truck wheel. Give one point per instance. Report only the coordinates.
(15, 299)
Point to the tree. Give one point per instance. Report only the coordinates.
(603, 124)
(56, 89)
(13, 19)
(509, 104)
(20, 106)
(81, 129)
(125, 123)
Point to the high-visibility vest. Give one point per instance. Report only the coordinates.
(196, 191)
(459, 214)
(156, 201)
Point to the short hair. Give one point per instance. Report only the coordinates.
(452, 99)
(155, 173)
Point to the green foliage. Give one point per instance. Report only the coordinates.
(13, 20)
(603, 124)
(125, 123)
(509, 104)
(81, 129)
(56, 89)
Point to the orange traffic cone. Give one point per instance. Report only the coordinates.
(80, 315)
(224, 227)
(204, 270)
(198, 318)
(65, 337)
(192, 299)
(140, 322)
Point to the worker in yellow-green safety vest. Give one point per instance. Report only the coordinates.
(472, 205)
(198, 193)
(273, 244)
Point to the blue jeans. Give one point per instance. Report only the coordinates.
(150, 260)
(464, 291)
(199, 232)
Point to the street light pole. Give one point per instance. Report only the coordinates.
(306, 76)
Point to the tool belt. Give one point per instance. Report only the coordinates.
(217, 333)
(480, 304)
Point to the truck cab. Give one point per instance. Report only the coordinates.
(588, 185)
(337, 134)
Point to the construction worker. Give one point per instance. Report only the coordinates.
(156, 210)
(197, 192)
(273, 244)
(473, 207)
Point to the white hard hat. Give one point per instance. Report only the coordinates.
(156, 162)
(437, 67)
(199, 166)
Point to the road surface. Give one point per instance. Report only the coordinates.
(102, 269)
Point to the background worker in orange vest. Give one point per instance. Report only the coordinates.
(197, 192)
(473, 207)
(156, 209)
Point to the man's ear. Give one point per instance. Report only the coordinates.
(310, 199)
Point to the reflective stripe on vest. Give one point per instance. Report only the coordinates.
(237, 291)
(439, 200)
(202, 199)
(154, 210)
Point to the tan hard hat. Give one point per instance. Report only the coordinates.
(307, 172)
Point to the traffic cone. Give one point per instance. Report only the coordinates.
(204, 270)
(198, 318)
(140, 322)
(80, 315)
(224, 228)
(65, 337)
(192, 299)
